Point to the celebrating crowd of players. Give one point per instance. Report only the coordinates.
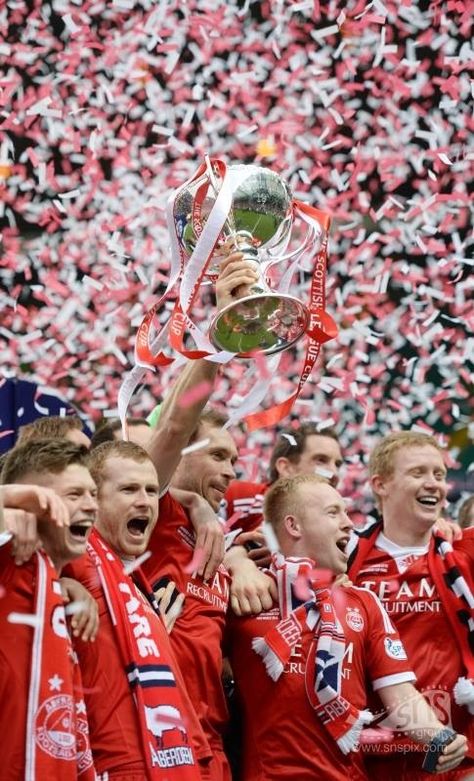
(126, 612)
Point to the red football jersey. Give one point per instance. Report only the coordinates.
(113, 719)
(15, 659)
(247, 499)
(283, 736)
(401, 579)
(197, 635)
(60, 721)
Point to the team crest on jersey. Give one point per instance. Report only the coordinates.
(55, 731)
(394, 648)
(354, 619)
(407, 561)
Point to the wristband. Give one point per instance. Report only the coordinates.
(251, 545)
(435, 749)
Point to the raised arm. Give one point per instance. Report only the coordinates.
(179, 415)
(178, 418)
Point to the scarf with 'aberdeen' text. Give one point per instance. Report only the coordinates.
(149, 666)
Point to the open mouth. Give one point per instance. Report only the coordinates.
(137, 526)
(342, 544)
(427, 501)
(80, 530)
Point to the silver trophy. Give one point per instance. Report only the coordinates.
(259, 225)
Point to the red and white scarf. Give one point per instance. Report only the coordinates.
(323, 673)
(57, 734)
(454, 583)
(147, 661)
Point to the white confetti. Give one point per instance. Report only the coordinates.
(30, 619)
(289, 438)
(270, 537)
(131, 566)
(195, 446)
(321, 472)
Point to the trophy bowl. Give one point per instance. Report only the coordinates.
(260, 219)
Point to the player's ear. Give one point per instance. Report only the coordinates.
(379, 485)
(284, 467)
(292, 526)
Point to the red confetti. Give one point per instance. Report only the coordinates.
(196, 561)
(301, 588)
(374, 735)
(195, 394)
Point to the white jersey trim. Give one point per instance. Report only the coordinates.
(35, 673)
(388, 626)
(392, 680)
(164, 491)
(399, 551)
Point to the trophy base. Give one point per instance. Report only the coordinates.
(262, 323)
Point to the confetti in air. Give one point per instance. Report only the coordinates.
(271, 540)
(301, 588)
(195, 394)
(72, 608)
(131, 566)
(374, 735)
(30, 619)
(363, 107)
(196, 561)
(195, 446)
(325, 473)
